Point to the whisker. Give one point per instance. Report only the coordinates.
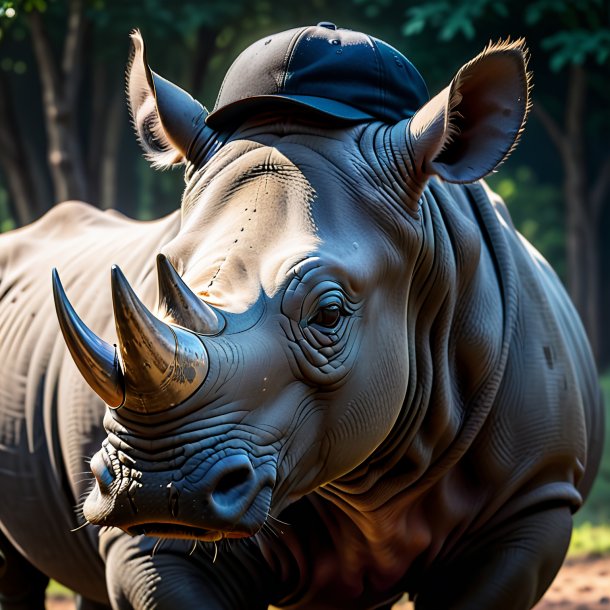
(270, 516)
(266, 529)
(156, 547)
(81, 526)
(274, 530)
(194, 547)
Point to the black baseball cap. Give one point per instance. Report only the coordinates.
(338, 73)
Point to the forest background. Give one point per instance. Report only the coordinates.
(65, 131)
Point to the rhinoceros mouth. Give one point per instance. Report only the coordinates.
(182, 532)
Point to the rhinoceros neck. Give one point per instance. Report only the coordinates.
(460, 326)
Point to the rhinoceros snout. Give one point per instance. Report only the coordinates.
(228, 499)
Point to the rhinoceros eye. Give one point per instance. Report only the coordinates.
(327, 316)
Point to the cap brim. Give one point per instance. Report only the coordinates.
(238, 111)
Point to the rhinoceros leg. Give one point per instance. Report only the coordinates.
(144, 575)
(22, 586)
(509, 571)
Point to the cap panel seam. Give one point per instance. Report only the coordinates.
(290, 51)
(380, 74)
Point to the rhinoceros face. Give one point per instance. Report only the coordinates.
(278, 359)
(297, 387)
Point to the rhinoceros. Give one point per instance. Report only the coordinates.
(337, 374)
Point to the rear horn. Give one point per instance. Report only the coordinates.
(182, 305)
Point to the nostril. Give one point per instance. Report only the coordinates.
(232, 480)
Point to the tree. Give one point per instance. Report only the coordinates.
(78, 50)
(66, 133)
(575, 38)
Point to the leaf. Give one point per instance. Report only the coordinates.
(603, 53)
(420, 15)
(460, 23)
(577, 46)
(35, 5)
(414, 26)
(500, 8)
(535, 11)
(462, 20)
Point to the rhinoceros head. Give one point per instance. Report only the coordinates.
(294, 303)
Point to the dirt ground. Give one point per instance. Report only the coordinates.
(582, 584)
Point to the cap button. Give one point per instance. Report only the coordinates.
(327, 24)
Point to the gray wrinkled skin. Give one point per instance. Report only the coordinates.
(401, 398)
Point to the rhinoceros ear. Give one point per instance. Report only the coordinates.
(167, 119)
(471, 126)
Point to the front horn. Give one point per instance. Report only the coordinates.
(163, 364)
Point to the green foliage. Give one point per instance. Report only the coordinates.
(537, 210)
(584, 32)
(10, 9)
(450, 18)
(6, 219)
(588, 539)
(56, 589)
(577, 46)
(580, 30)
(372, 8)
(161, 18)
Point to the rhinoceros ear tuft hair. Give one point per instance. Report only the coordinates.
(166, 119)
(471, 127)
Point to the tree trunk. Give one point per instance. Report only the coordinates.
(60, 86)
(16, 166)
(206, 42)
(110, 152)
(97, 128)
(582, 250)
